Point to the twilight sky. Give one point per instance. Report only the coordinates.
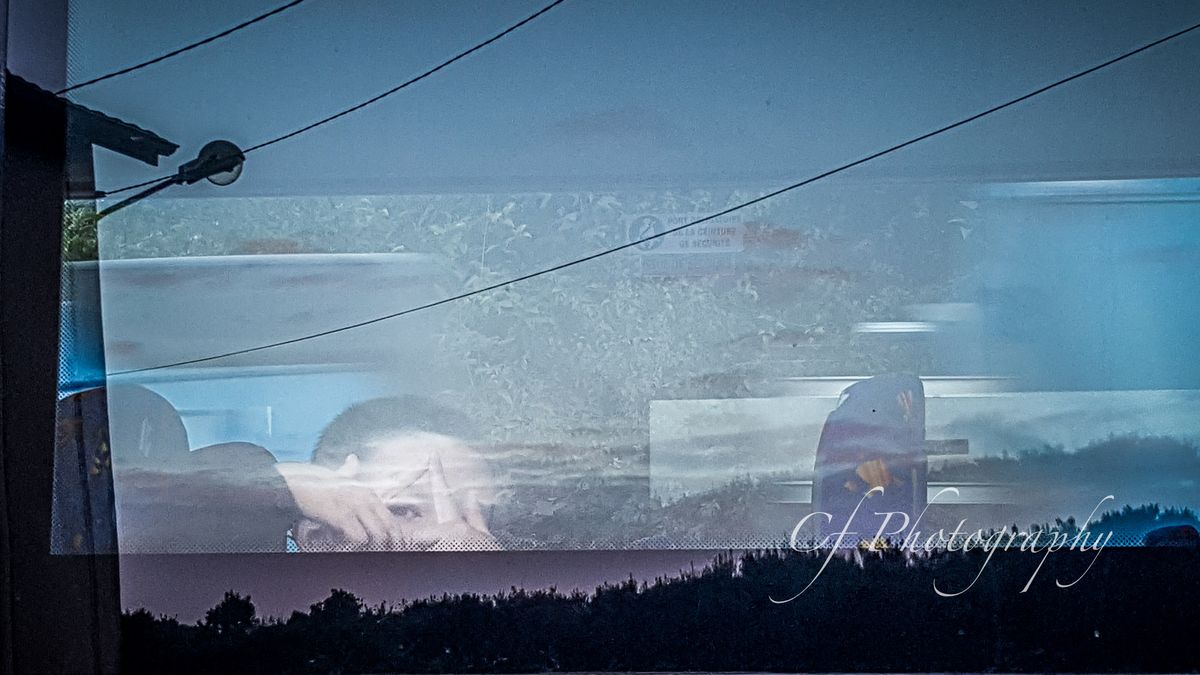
(187, 585)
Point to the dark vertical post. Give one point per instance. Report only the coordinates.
(63, 610)
(6, 641)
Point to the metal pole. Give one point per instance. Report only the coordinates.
(137, 197)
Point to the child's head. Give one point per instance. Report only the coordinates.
(415, 456)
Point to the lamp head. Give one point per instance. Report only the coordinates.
(220, 162)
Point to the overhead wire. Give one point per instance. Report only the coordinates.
(176, 52)
(374, 99)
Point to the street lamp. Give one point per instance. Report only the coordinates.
(219, 162)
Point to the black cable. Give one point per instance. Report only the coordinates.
(615, 249)
(379, 97)
(418, 78)
(133, 199)
(176, 52)
(100, 194)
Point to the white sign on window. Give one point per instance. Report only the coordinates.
(724, 234)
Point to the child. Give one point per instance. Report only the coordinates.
(408, 454)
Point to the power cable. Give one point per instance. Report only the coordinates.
(631, 244)
(374, 99)
(176, 52)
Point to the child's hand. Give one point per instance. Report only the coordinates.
(333, 500)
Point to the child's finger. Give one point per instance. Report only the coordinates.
(443, 499)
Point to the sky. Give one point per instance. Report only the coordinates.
(598, 93)
(185, 586)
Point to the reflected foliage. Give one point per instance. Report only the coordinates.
(80, 241)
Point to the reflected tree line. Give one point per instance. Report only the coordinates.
(1135, 610)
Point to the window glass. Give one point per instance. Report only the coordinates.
(369, 341)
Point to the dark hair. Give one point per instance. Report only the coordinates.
(373, 420)
(144, 428)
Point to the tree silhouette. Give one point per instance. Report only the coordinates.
(235, 614)
(341, 608)
(1136, 611)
